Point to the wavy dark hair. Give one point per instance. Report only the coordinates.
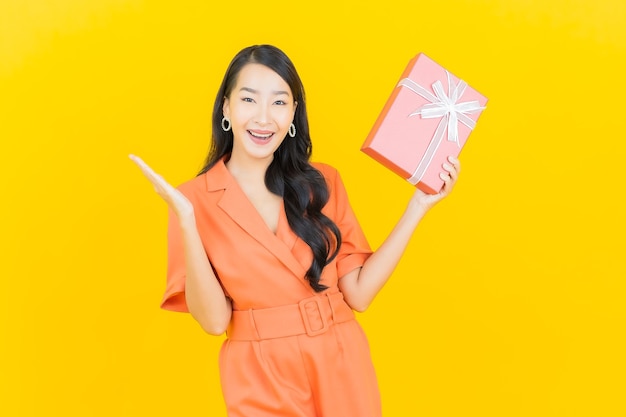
(290, 174)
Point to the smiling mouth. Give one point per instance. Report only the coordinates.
(263, 136)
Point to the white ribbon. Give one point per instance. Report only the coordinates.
(442, 106)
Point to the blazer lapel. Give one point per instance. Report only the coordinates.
(236, 205)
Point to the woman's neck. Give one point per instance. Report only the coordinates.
(248, 170)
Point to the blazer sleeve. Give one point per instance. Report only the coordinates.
(174, 297)
(354, 249)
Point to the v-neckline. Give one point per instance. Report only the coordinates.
(284, 244)
(283, 230)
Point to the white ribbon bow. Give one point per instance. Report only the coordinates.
(442, 106)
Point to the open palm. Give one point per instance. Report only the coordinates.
(174, 198)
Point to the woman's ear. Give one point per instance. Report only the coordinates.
(225, 108)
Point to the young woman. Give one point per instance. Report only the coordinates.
(263, 245)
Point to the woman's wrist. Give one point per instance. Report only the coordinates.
(187, 220)
(417, 208)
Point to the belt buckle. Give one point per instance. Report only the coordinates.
(306, 308)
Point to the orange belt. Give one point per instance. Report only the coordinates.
(310, 316)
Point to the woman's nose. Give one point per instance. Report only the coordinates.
(262, 116)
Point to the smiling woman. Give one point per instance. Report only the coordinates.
(260, 112)
(264, 245)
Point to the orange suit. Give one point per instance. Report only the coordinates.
(290, 351)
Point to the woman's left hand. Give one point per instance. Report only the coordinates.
(427, 201)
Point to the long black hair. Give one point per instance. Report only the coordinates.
(290, 174)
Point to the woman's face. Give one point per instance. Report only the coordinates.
(261, 108)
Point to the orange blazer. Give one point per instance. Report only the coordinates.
(257, 268)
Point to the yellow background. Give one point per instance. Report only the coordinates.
(509, 300)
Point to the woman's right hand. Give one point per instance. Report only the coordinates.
(174, 198)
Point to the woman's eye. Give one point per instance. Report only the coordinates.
(280, 102)
(247, 100)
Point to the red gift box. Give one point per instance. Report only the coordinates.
(427, 118)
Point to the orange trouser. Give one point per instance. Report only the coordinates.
(309, 359)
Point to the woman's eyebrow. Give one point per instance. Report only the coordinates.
(253, 91)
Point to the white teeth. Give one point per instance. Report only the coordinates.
(256, 135)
